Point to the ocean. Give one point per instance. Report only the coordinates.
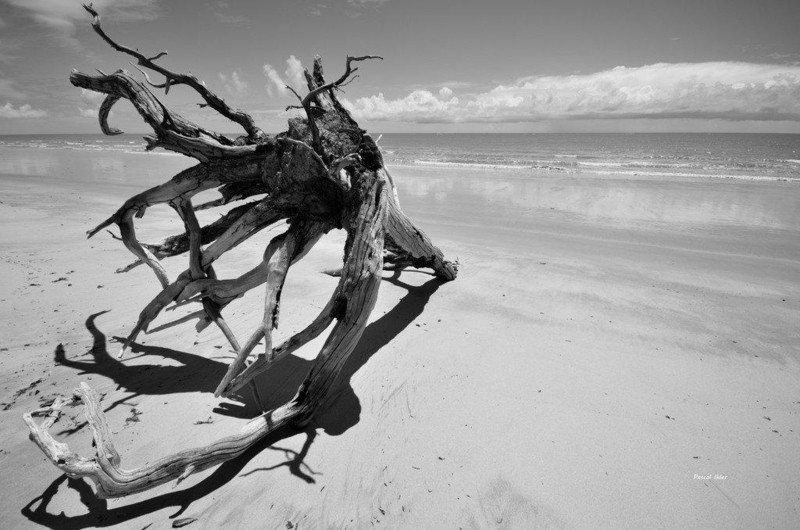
(656, 155)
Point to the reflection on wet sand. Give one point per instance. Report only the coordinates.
(521, 197)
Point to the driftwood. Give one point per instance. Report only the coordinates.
(323, 173)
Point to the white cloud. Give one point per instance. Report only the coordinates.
(91, 96)
(716, 90)
(233, 83)
(295, 73)
(23, 111)
(445, 92)
(88, 113)
(366, 3)
(61, 16)
(233, 20)
(275, 85)
(419, 106)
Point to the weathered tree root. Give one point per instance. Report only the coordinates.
(323, 173)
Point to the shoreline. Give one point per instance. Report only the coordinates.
(607, 341)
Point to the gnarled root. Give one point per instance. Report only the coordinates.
(358, 289)
(323, 173)
(104, 469)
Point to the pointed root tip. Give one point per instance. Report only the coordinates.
(187, 472)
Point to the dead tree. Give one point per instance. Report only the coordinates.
(324, 172)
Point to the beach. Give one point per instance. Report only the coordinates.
(618, 351)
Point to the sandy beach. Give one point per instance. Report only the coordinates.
(617, 352)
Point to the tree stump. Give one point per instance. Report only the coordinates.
(324, 172)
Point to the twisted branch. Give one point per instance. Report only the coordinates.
(173, 78)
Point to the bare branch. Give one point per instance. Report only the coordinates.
(113, 481)
(173, 78)
(102, 115)
(173, 132)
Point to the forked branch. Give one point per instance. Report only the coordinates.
(173, 78)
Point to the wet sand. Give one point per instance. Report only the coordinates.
(616, 353)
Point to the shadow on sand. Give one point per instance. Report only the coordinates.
(198, 374)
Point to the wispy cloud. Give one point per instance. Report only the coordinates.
(295, 73)
(366, 3)
(233, 83)
(91, 96)
(294, 77)
(61, 16)
(791, 58)
(233, 20)
(87, 113)
(275, 85)
(715, 90)
(23, 111)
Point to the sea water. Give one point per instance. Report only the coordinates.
(655, 155)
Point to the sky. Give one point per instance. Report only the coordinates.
(449, 66)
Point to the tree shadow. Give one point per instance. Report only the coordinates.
(195, 373)
(99, 515)
(340, 412)
(342, 408)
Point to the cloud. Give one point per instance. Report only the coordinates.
(88, 113)
(713, 90)
(274, 82)
(233, 83)
(317, 10)
(233, 20)
(366, 3)
(420, 106)
(6, 47)
(91, 96)
(23, 111)
(294, 74)
(61, 16)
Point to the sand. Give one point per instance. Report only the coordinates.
(616, 353)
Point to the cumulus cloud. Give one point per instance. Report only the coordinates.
(714, 90)
(61, 16)
(23, 111)
(420, 106)
(276, 85)
(233, 83)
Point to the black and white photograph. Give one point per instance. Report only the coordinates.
(402, 264)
